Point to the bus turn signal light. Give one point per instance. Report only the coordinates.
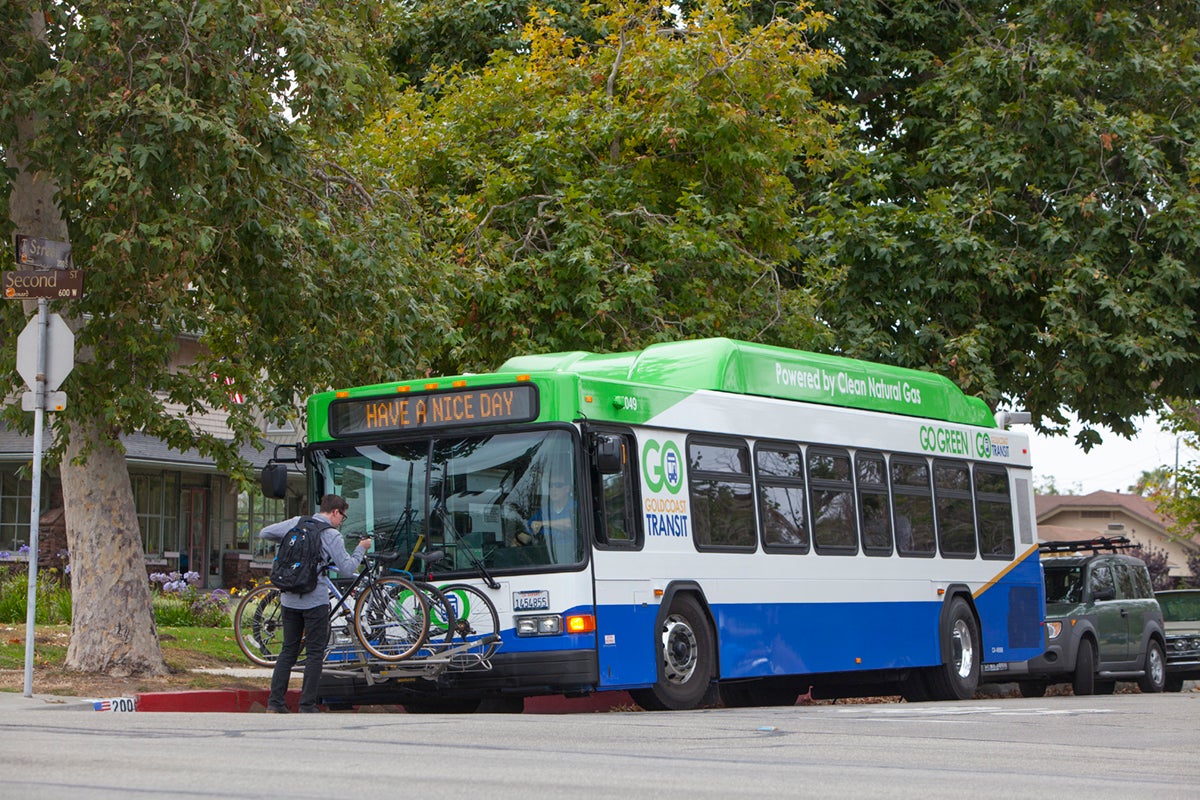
(581, 623)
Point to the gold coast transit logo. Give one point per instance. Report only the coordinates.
(662, 466)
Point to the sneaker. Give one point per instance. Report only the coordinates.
(272, 710)
(309, 710)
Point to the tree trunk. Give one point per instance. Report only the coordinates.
(112, 629)
(112, 625)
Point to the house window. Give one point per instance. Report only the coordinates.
(156, 498)
(14, 507)
(253, 513)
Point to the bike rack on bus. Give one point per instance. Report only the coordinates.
(435, 659)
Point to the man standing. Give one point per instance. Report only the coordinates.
(306, 616)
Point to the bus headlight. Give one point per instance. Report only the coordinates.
(539, 625)
(1053, 629)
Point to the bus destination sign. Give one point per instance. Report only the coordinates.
(487, 405)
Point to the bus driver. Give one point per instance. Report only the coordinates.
(553, 524)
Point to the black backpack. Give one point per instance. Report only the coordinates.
(299, 557)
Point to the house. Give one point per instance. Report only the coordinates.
(192, 516)
(1064, 517)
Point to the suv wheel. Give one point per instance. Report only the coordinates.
(1085, 669)
(1155, 677)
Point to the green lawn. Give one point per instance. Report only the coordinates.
(178, 644)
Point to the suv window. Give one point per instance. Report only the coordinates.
(1125, 586)
(1101, 580)
(1141, 580)
(1063, 585)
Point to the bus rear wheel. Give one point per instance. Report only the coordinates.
(686, 663)
(957, 677)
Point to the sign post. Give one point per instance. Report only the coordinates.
(44, 364)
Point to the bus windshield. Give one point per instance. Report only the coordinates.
(503, 501)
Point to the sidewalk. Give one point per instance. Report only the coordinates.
(255, 700)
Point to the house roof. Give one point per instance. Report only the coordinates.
(1135, 505)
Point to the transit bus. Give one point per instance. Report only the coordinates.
(698, 520)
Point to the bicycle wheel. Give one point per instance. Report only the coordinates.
(442, 613)
(391, 619)
(477, 622)
(258, 625)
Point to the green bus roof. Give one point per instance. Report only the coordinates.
(727, 365)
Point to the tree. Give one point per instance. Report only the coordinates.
(1178, 497)
(1009, 199)
(606, 191)
(1153, 482)
(182, 146)
(1017, 201)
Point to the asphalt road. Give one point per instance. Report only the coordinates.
(1121, 746)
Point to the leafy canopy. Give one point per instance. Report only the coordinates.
(193, 144)
(631, 185)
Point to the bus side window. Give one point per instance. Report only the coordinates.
(955, 508)
(614, 498)
(913, 505)
(993, 508)
(831, 497)
(871, 472)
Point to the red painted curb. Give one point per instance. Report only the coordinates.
(212, 700)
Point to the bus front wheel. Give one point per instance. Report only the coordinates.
(684, 647)
(958, 676)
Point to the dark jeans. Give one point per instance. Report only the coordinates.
(313, 625)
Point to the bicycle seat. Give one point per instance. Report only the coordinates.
(430, 557)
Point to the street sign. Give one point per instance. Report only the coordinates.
(55, 401)
(53, 284)
(60, 352)
(43, 252)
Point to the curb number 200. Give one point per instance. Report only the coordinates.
(120, 704)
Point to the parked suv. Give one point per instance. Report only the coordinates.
(1102, 621)
(1181, 615)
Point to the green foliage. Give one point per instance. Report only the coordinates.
(1178, 499)
(53, 601)
(1015, 207)
(194, 144)
(199, 611)
(607, 192)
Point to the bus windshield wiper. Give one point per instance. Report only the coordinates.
(440, 510)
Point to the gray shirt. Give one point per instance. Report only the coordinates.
(334, 548)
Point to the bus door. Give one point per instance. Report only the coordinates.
(625, 604)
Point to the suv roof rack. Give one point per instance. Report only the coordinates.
(1106, 544)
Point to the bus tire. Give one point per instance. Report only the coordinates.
(957, 677)
(686, 661)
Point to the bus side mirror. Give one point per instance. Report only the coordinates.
(274, 480)
(608, 454)
(274, 476)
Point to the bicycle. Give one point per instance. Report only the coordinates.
(458, 611)
(390, 616)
